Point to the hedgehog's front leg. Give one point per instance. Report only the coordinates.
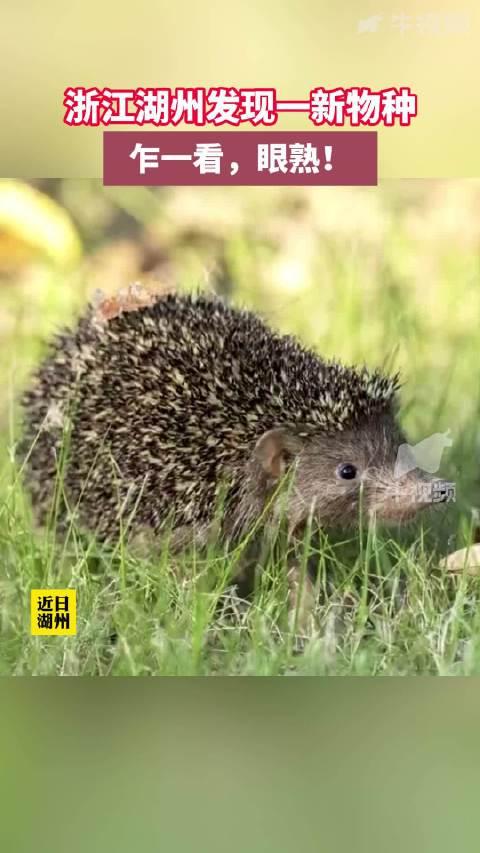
(272, 471)
(301, 599)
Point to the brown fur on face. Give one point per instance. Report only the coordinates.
(316, 489)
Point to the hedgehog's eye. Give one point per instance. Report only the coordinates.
(346, 471)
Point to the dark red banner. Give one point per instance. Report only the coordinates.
(240, 158)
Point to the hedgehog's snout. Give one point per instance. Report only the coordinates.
(398, 499)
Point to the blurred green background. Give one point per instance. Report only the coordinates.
(274, 766)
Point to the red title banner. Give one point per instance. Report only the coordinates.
(357, 106)
(240, 158)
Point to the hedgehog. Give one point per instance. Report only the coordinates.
(153, 411)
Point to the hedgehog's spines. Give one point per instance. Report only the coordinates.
(170, 399)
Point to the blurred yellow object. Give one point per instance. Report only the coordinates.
(33, 226)
(466, 560)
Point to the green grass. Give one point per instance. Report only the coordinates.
(371, 277)
(383, 609)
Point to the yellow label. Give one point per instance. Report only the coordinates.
(53, 612)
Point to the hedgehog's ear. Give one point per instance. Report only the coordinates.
(275, 451)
